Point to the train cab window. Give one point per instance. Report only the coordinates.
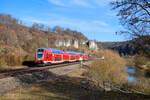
(39, 55)
(40, 50)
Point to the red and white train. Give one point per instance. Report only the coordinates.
(48, 56)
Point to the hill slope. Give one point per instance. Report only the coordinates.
(123, 48)
(19, 42)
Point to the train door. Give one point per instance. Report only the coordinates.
(50, 57)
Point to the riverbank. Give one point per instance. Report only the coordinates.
(137, 75)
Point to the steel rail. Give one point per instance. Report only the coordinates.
(12, 73)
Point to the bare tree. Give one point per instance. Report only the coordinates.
(134, 16)
(57, 29)
(38, 26)
(35, 26)
(8, 19)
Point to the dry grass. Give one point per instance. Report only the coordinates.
(140, 87)
(7, 68)
(33, 93)
(112, 67)
(67, 88)
(11, 56)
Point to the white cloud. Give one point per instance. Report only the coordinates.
(75, 24)
(100, 23)
(57, 2)
(83, 3)
(102, 2)
(68, 3)
(89, 28)
(33, 20)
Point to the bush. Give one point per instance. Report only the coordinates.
(28, 57)
(140, 60)
(3, 63)
(12, 58)
(111, 68)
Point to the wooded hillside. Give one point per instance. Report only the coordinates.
(20, 42)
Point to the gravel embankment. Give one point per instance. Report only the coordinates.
(11, 83)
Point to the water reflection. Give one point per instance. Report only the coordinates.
(131, 72)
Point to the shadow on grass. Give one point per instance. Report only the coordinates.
(73, 88)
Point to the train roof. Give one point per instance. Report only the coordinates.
(53, 50)
(71, 52)
(80, 53)
(85, 54)
(57, 51)
(61, 51)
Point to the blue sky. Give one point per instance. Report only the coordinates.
(94, 18)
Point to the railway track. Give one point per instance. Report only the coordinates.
(18, 72)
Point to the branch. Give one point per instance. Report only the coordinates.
(142, 7)
(147, 3)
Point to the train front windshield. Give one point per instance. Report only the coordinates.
(40, 53)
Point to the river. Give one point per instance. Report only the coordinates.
(131, 72)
